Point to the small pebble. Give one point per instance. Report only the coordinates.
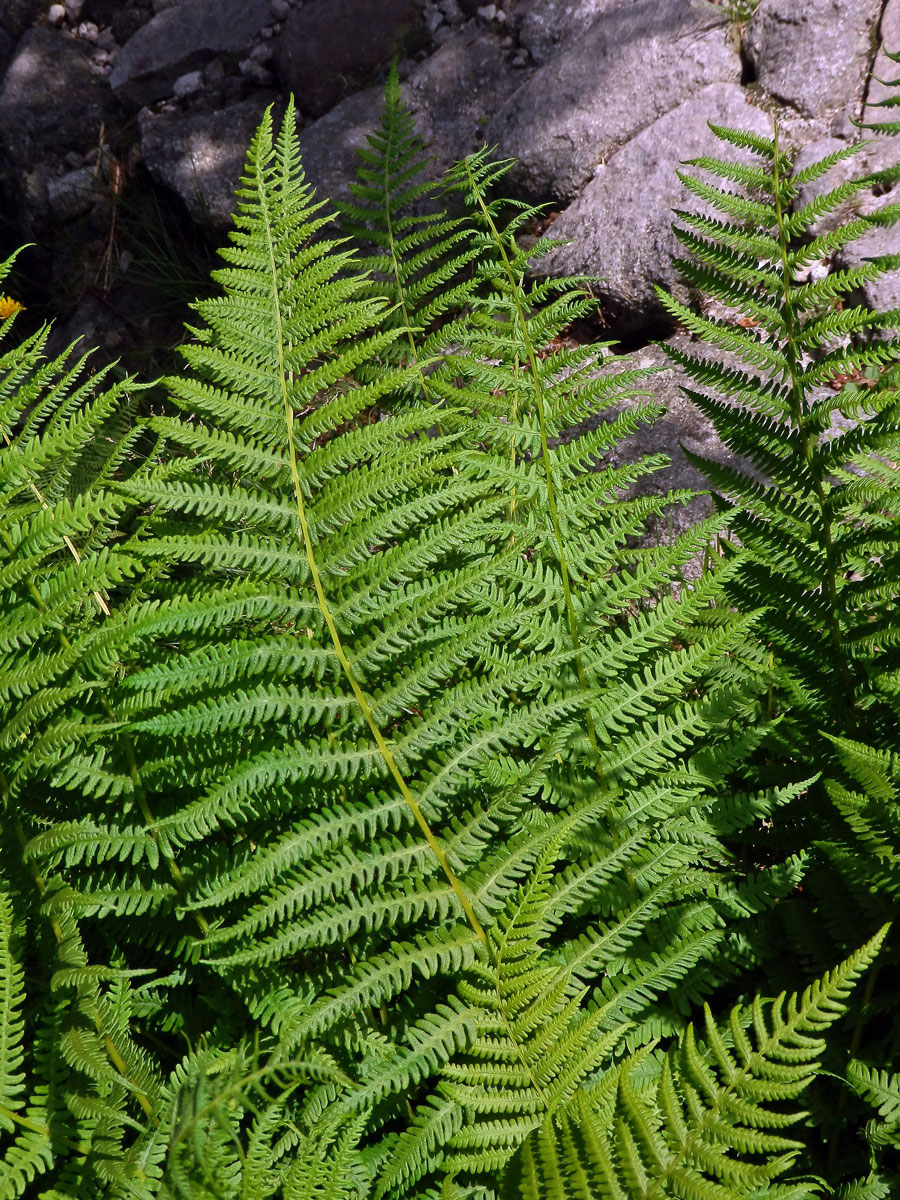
(280, 9)
(73, 10)
(444, 34)
(262, 53)
(106, 39)
(87, 31)
(56, 14)
(453, 14)
(487, 12)
(520, 60)
(214, 73)
(255, 71)
(507, 43)
(187, 84)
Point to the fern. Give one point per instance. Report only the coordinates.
(377, 806)
(817, 549)
(422, 260)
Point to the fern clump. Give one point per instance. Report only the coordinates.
(803, 390)
(378, 808)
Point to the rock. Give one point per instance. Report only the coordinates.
(280, 9)
(56, 15)
(187, 85)
(450, 96)
(453, 93)
(883, 69)
(620, 228)
(256, 72)
(127, 21)
(682, 425)
(634, 64)
(103, 11)
(214, 73)
(546, 26)
(51, 101)
(812, 54)
(71, 194)
(182, 39)
(329, 145)
(16, 16)
(453, 14)
(882, 294)
(200, 156)
(320, 63)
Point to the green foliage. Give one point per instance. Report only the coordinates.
(377, 805)
(800, 382)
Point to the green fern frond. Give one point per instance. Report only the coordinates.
(710, 1121)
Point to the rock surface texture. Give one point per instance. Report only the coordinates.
(620, 227)
(599, 100)
(180, 39)
(813, 54)
(632, 65)
(328, 46)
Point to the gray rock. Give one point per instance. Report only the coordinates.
(328, 47)
(546, 26)
(329, 145)
(127, 21)
(182, 39)
(620, 228)
(883, 70)
(71, 194)
(18, 15)
(882, 294)
(633, 64)
(813, 54)
(103, 11)
(200, 156)
(450, 95)
(187, 85)
(453, 93)
(453, 14)
(51, 102)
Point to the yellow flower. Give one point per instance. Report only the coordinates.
(8, 306)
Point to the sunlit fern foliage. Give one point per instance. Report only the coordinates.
(369, 789)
